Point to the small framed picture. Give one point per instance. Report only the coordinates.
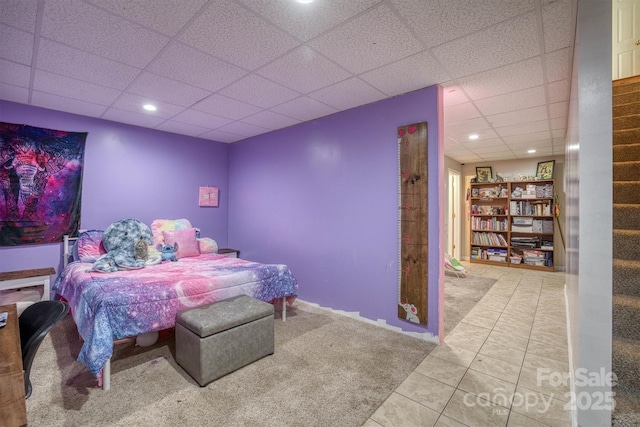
(545, 169)
(208, 196)
(484, 174)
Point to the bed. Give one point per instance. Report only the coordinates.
(108, 308)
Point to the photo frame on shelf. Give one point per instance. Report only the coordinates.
(484, 174)
(545, 169)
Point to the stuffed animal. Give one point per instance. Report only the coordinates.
(120, 240)
(168, 252)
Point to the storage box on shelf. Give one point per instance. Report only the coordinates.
(512, 224)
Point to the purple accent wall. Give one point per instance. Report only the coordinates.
(322, 197)
(130, 172)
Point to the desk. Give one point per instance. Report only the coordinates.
(28, 278)
(13, 406)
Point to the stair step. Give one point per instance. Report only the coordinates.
(627, 109)
(626, 244)
(626, 192)
(626, 317)
(626, 217)
(626, 277)
(625, 359)
(626, 171)
(625, 98)
(622, 86)
(629, 136)
(626, 152)
(626, 122)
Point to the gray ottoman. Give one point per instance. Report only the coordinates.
(216, 339)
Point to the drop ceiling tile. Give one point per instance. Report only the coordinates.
(56, 84)
(460, 112)
(59, 103)
(230, 32)
(19, 14)
(558, 91)
(306, 21)
(518, 117)
(348, 94)
(510, 78)
(518, 100)
(14, 74)
(488, 150)
(88, 28)
(14, 93)
(555, 17)
(161, 88)
(74, 63)
(537, 145)
(194, 67)
(258, 91)
(270, 120)
(164, 16)
(558, 109)
(13, 45)
(129, 117)
(489, 142)
(461, 135)
(437, 22)
(406, 75)
(304, 70)
(201, 119)
(226, 107)
(467, 126)
(371, 40)
(558, 65)
(559, 123)
(216, 135)
(528, 137)
(304, 109)
(181, 128)
(244, 129)
(134, 103)
(453, 94)
(523, 128)
(506, 43)
(559, 142)
(559, 133)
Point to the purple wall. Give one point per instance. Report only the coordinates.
(322, 197)
(130, 172)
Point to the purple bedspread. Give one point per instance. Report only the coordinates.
(111, 306)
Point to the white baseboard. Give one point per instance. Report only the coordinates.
(425, 336)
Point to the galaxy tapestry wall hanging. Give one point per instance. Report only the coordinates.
(40, 182)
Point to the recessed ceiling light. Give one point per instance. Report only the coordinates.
(474, 136)
(149, 107)
(531, 151)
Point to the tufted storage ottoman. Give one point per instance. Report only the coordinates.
(216, 339)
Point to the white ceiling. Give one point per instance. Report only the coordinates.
(226, 70)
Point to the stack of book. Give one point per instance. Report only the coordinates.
(525, 242)
(522, 225)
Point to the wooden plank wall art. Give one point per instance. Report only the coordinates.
(412, 280)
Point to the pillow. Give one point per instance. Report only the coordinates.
(207, 245)
(186, 239)
(159, 226)
(88, 247)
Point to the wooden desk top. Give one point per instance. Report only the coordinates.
(23, 274)
(13, 406)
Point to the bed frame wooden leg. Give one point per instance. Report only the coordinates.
(106, 375)
(284, 309)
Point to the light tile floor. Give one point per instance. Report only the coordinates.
(505, 364)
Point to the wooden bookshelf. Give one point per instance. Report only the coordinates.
(512, 224)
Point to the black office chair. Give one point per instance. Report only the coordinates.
(35, 323)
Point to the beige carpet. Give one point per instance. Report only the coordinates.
(327, 370)
(461, 294)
